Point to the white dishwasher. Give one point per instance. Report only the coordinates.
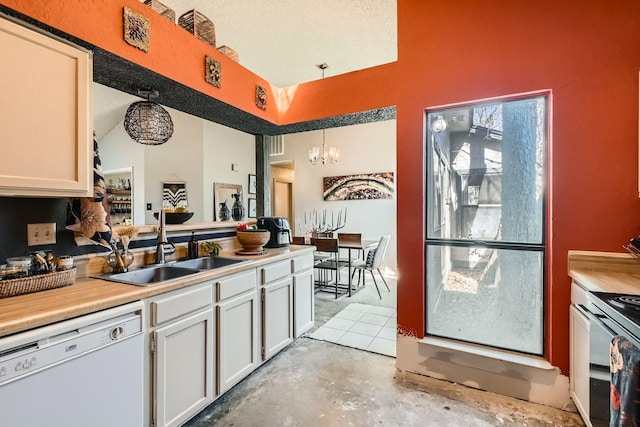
(86, 371)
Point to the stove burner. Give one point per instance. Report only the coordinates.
(627, 301)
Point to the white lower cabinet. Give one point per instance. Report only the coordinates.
(184, 368)
(196, 356)
(303, 293)
(277, 321)
(182, 354)
(277, 307)
(237, 333)
(579, 361)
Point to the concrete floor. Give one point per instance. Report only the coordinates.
(317, 383)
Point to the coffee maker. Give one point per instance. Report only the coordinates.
(279, 229)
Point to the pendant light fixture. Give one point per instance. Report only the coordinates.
(439, 125)
(147, 122)
(324, 154)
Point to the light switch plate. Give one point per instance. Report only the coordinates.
(41, 234)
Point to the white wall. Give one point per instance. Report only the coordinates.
(117, 150)
(202, 152)
(366, 148)
(199, 152)
(223, 147)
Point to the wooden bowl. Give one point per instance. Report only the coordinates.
(175, 217)
(253, 240)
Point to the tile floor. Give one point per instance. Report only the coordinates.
(362, 326)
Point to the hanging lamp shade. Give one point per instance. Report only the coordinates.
(147, 122)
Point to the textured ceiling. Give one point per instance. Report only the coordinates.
(282, 41)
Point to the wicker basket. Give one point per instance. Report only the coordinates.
(40, 282)
(161, 9)
(230, 53)
(199, 25)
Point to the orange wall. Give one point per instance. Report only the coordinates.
(367, 89)
(586, 53)
(173, 51)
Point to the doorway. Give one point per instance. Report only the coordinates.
(282, 191)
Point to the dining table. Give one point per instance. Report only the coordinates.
(350, 246)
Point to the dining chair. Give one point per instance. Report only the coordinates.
(318, 255)
(352, 237)
(297, 240)
(329, 269)
(374, 260)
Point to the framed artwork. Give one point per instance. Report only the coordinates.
(359, 187)
(222, 194)
(252, 208)
(174, 195)
(252, 184)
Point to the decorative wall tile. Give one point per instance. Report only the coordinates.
(261, 97)
(136, 29)
(212, 71)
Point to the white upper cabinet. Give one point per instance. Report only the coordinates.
(46, 125)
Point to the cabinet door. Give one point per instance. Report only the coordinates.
(303, 302)
(579, 360)
(277, 319)
(183, 369)
(237, 339)
(47, 125)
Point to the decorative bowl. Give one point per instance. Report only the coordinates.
(253, 240)
(175, 217)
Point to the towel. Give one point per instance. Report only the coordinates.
(625, 383)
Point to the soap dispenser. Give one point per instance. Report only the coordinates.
(192, 249)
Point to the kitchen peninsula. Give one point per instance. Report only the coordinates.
(232, 318)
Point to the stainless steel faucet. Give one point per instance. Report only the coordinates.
(163, 247)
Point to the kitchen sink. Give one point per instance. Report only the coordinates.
(158, 274)
(153, 275)
(208, 263)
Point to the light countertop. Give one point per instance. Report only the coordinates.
(605, 271)
(88, 295)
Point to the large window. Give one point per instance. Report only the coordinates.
(485, 223)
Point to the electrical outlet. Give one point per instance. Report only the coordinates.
(41, 234)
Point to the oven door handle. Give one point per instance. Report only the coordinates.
(591, 316)
(603, 321)
(582, 309)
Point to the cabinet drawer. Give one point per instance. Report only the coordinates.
(301, 263)
(236, 284)
(578, 294)
(275, 271)
(179, 304)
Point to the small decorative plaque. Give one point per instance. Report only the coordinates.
(212, 71)
(136, 29)
(261, 97)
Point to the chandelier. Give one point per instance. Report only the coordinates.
(147, 122)
(324, 154)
